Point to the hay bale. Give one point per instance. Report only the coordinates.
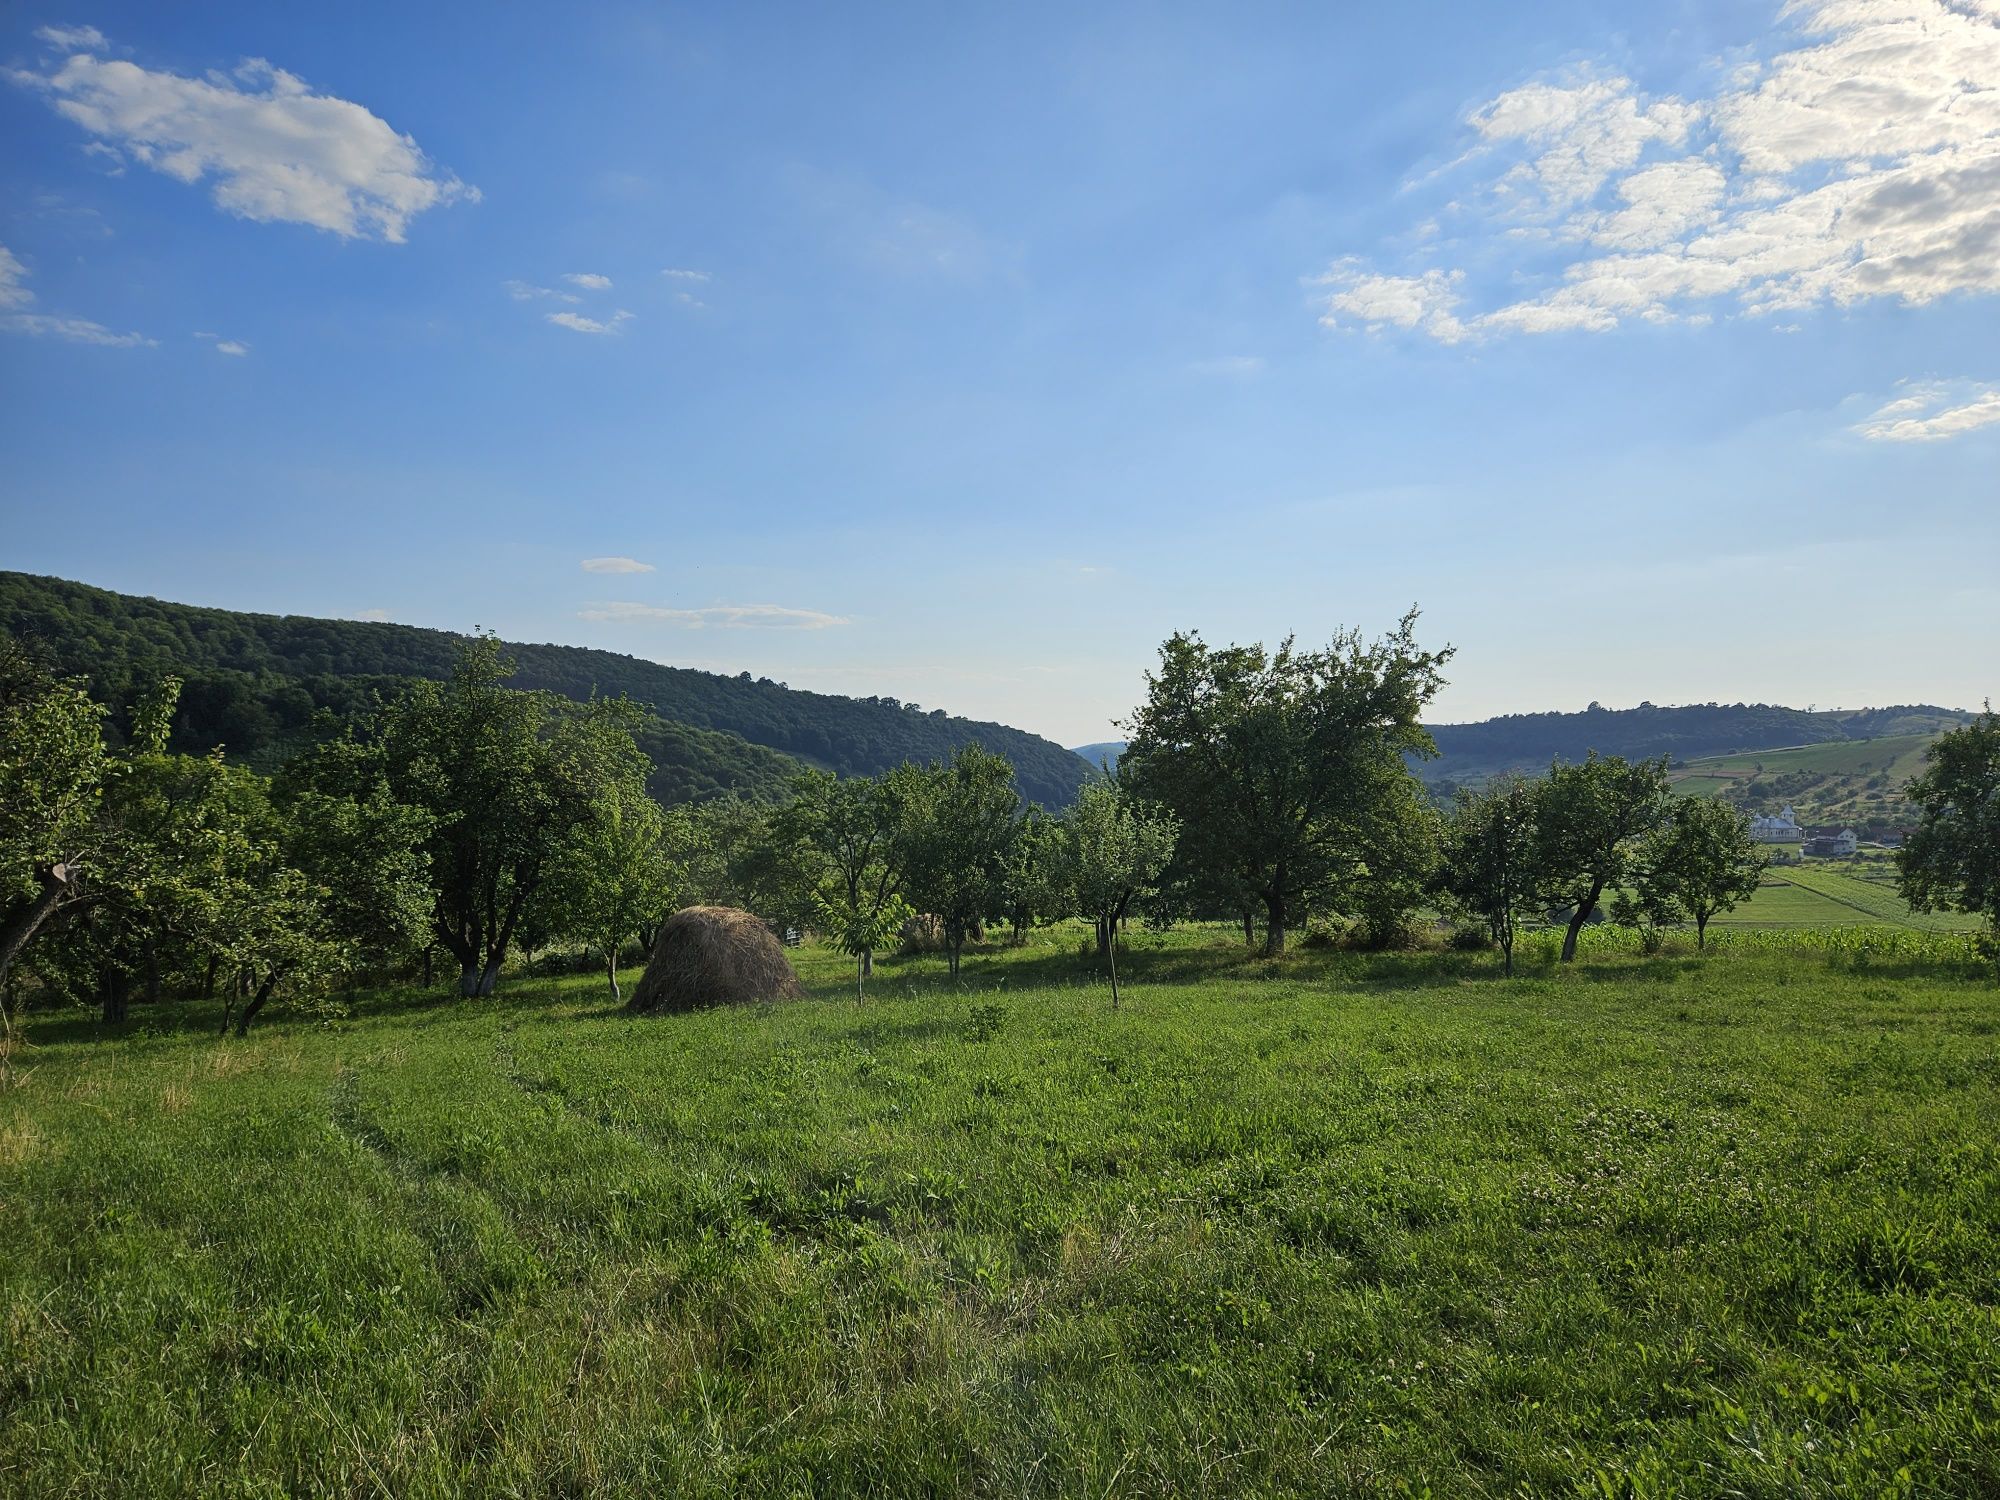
(713, 955)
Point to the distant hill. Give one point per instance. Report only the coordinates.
(254, 681)
(1100, 752)
(1857, 784)
(1528, 742)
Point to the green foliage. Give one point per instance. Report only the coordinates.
(1588, 819)
(508, 781)
(1952, 859)
(1112, 847)
(1487, 865)
(1279, 764)
(956, 824)
(1698, 862)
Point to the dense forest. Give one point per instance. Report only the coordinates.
(253, 683)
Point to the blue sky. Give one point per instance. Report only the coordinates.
(1654, 352)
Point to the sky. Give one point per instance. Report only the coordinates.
(964, 354)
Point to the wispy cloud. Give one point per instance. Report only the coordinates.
(590, 281)
(274, 150)
(723, 616)
(678, 273)
(1859, 160)
(225, 346)
(578, 323)
(72, 38)
(527, 291)
(1931, 411)
(615, 565)
(16, 298)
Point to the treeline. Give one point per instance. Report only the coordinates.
(1530, 741)
(252, 681)
(468, 822)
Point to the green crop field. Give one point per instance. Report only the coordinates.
(1901, 756)
(1330, 1224)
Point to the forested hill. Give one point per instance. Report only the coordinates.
(1528, 742)
(254, 680)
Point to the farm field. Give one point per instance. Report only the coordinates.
(1326, 1224)
(1827, 782)
(1817, 895)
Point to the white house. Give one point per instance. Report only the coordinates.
(1783, 829)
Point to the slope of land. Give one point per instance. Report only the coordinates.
(255, 679)
(1322, 1226)
(1852, 783)
(1528, 742)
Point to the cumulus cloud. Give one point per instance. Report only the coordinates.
(1858, 160)
(578, 323)
(725, 616)
(15, 299)
(590, 281)
(615, 565)
(272, 149)
(1932, 411)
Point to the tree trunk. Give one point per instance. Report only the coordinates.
(1103, 937)
(1113, 954)
(256, 1003)
(208, 978)
(1577, 920)
(867, 963)
(954, 942)
(860, 968)
(1274, 914)
(611, 973)
(1249, 929)
(1507, 954)
(23, 926)
(1700, 931)
(114, 993)
(489, 977)
(468, 980)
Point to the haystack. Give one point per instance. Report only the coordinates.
(713, 955)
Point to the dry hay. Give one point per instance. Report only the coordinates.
(714, 955)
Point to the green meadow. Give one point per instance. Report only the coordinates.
(1326, 1224)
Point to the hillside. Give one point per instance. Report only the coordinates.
(1528, 742)
(1853, 783)
(254, 681)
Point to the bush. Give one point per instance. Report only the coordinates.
(1469, 937)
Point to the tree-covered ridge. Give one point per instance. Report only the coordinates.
(1528, 742)
(254, 680)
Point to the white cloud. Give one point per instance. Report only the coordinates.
(678, 274)
(12, 275)
(275, 150)
(15, 296)
(1859, 160)
(72, 38)
(75, 330)
(527, 291)
(725, 616)
(231, 346)
(615, 565)
(1932, 412)
(1375, 302)
(590, 281)
(578, 323)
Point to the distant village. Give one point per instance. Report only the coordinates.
(1814, 842)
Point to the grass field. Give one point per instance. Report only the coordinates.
(1816, 895)
(1332, 1224)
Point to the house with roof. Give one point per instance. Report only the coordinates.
(1783, 829)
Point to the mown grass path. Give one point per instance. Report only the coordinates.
(1330, 1225)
